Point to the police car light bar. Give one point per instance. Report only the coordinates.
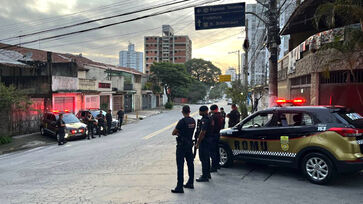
(55, 111)
(296, 101)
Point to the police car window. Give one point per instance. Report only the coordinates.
(260, 120)
(294, 119)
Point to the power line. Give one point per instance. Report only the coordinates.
(68, 21)
(107, 25)
(95, 20)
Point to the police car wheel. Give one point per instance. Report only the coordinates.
(226, 157)
(318, 168)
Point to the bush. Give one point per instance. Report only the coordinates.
(169, 105)
(5, 139)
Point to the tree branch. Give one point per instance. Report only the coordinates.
(257, 16)
(264, 5)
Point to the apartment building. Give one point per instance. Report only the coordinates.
(176, 49)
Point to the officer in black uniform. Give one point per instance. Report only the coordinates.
(203, 144)
(61, 129)
(90, 125)
(101, 124)
(234, 116)
(109, 121)
(217, 121)
(120, 117)
(184, 130)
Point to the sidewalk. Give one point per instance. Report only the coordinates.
(29, 141)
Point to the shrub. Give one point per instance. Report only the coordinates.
(5, 139)
(169, 105)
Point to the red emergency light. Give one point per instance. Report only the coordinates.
(73, 131)
(66, 111)
(296, 101)
(55, 111)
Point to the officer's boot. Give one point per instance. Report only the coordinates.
(178, 190)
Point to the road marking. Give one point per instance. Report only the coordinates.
(165, 128)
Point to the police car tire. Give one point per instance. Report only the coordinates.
(329, 167)
(229, 155)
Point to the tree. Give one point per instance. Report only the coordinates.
(171, 76)
(197, 90)
(203, 71)
(344, 11)
(218, 91)
(10, 98)
(237, 96)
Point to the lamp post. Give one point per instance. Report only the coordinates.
(239, 64)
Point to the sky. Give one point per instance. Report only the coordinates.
(19, 17)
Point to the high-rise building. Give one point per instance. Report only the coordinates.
(288, 8)
(176, 49)
(257, 55)
(131, 58)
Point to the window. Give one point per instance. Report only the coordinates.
(294, 119)
(260, 120)
(147, 38)
(146, 52)
(147, 45)
(156, 52)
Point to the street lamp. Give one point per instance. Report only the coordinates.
(239, 64)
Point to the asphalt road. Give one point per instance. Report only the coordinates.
(137, 165)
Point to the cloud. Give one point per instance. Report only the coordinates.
(17, 18)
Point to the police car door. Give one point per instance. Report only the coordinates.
(293, 127)
(253, 133)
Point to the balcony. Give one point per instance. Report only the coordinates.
(87, 84)
(128, 87)
(313, 54)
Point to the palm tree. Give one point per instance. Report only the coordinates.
(345, 11)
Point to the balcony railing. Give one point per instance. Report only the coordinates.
(87, 84)
(128, 87)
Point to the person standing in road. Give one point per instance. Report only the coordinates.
(217, 121)
(109, 121)
(120, 117)
(203, 144)
(224, 117)
(184, 131)
(61, 129)
(90, 125)
(101, 129)
(234, 116)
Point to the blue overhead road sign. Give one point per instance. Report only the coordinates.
(220, 16)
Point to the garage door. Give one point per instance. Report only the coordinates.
(64, 103)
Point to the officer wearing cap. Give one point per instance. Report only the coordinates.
(203, 143)
(216, 123)
(184, 131)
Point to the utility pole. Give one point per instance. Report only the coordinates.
(273, 41)
(246, 48)
(239, 67)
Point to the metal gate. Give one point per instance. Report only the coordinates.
(128, 103)
(105, 103)
(64, 103)
(117, 102)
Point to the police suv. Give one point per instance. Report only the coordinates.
(321, 141)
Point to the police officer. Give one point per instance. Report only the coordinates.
(120, 117)
(184, 130)
(234, 116)
(203, 143)
(217, 121)
(224, 117)
(90, 125)
(101, 124)
(61, 129)
(109, 121)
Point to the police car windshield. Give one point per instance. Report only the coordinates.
(95, 113)
(69, 118)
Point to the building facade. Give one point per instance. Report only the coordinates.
(321, 75)
(131, 58)
(176, 49)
